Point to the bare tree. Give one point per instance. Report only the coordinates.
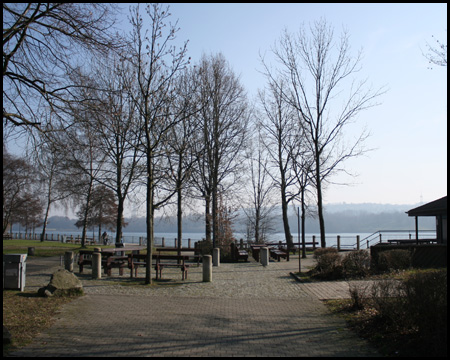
(316, 68)
(157, 63)
(30, 214)
(42, 43)
(224, 118)
(115, 124)
(437, 54)
(281, 139)
(181, 152)
(102, 210)
(46, 156)
(260, 211)
(17, 184)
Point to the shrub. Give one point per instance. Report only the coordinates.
(389, 301)
(417, 306)
(204, 246)
(426, 298)
(395, 259)
(322, 251)
(356, 263)
(329, 264)
(358, 294)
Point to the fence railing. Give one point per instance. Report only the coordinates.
(344, 242)
(385, 235)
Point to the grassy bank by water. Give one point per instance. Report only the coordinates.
(45, 248)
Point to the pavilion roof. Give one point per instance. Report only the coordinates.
(433, 208)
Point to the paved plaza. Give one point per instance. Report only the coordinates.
(247, 310)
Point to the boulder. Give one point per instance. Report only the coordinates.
(62, 283)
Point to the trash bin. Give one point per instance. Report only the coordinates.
(14, 267)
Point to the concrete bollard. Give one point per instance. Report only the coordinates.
(68, 261)
(96, 265)
(207, 268)
(264, 256)
(216, 257)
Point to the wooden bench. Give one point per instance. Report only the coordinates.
(277, 254)
(411, 241)
(196, 257)
(108, 260)
(136, 260)
(84, 258)
(238, 254)
(241, 254)
(183, 266)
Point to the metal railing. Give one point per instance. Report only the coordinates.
(380, 235)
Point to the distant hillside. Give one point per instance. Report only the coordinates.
(339, 218)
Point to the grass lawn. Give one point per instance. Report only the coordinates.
(25, 315)
(45, 248)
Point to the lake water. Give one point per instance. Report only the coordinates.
(347, 239)
(169, 238)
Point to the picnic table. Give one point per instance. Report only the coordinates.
(197, 256)
(411, 241)
(110, 257)
(181, 263)
(136, 260)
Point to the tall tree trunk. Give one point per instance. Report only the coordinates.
(149, 221)
(49, 201)
(120, 208)
(208, 217)
(319, 199)
(303, 224)
(287, 230)
(179, 218)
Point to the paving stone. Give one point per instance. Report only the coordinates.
(247, 310)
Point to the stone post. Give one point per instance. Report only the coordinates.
(264, 256)
(216, 257)
(207, 268)
(68, 261)
(96, 265)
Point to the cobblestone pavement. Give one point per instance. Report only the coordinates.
(247, 310)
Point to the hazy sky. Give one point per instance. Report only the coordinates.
(408, 129)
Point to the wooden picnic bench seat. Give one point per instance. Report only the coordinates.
(84, 258)
(136, 260)
(196, 257)
(241, 254)
(108, 260)
(279, 253)
(238, 254)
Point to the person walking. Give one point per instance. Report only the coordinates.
(105, 238)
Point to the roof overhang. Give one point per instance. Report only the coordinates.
(434, 208)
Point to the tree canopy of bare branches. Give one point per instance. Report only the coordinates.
(224, 117)
(157, 63)
(42, 44)
(319, 70)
